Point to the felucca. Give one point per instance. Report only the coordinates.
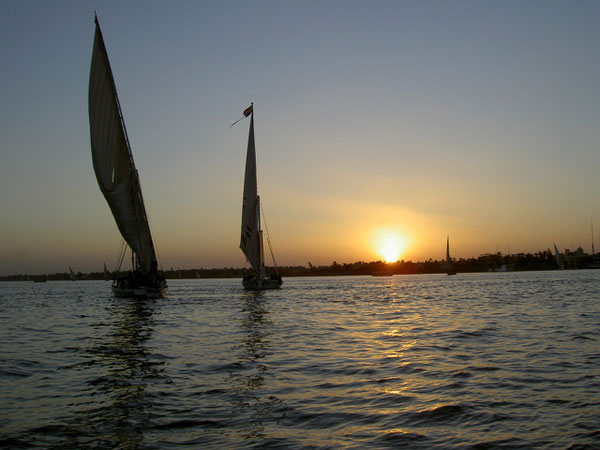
(251, 241)
(559, 261)
(119, 181)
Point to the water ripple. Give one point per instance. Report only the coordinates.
(476, 361)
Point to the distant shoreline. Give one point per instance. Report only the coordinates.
(497, 262)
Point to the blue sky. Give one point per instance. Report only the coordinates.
(421, 119)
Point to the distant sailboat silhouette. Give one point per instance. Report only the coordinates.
(118, 179)
(449, 266)
(251, 241)
(72, 276)
(559, 261)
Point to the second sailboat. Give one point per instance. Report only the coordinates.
(251, 241)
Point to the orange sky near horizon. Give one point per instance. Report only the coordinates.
(417, 119)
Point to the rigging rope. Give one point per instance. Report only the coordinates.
(269, 239)
(154, 243)
(122, 252)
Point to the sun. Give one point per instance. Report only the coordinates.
(391, 246)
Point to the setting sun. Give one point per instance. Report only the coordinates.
(390, 245)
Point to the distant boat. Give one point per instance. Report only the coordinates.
(559, 261)
(449, 266)
(251, 241)
(118, 179)
(72, 274)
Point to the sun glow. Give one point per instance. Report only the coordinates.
(390, 246)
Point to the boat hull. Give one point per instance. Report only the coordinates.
(261, 284)
(135, 285)
(139, 292)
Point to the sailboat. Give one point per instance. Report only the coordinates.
(119, 181)
(251, 241)
(72, 276)
(559, 261)
(105, 272)
(449, 266)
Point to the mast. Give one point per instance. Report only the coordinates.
(261, 252)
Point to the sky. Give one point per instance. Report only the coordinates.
(408, 119)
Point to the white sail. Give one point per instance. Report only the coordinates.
(112, 159)
(251, 235)
(559, 260)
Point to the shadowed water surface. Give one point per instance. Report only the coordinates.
(476, 360)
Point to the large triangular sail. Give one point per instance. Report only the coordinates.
(112, 159)
(251, 235)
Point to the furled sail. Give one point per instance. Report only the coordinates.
(251, 239)
(112, 159)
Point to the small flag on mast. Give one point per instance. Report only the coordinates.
(247, 112)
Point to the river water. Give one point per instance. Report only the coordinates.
(428, 361)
